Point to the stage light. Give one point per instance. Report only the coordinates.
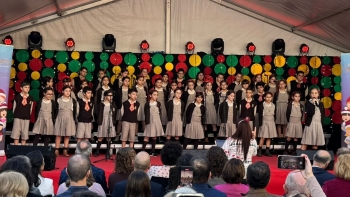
(8, 40)
(304, 49)
(278, 47)
(144, 46)
(35, 40)
(251, 48)
(109, 43)
(70, 44)
(189, 47)
(217, 46)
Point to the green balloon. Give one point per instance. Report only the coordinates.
(169, 58)
(279, 71)
(326, 60)
(89, 77)
(22, 55)
(49, 54)
(89, 55)
(337, 80)
(314, 72)
(193, 72)
(208, 60)
(292, 62)
(48, 72)
(326, 82)
(157, 59)
(9, 116)
(62, 57)
(257, 59)
(130, 59)
(220, 68)
(74, 66)
(104, 65)
(104, 56)
(337, 88)
(35, 84)
(326, 121)
(245, 71)
(89, 65)
(231, 61)
(35, 94)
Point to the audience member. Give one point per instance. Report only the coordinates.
(295, 184)
(138, 185)
(124, 165)
(321, 160)
(45, 185)
(201, 175)
(217, 159)
(85, 148)
(142, 163)
(13, 184)
(183, 190)
(233, 174)
(340, 185)
(258, 177)
(170, 152)
(90, 183)
(184, 160)
(78, 170)
(85, 194)
(342, 151)
(22, 165)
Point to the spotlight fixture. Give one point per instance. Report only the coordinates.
(8, 40)
(144, 46)
(250, 48)
(304, 49)
(189, 47)
(70, 44)
(278, 47)
(35, 40)
(217, 46)
(108, 43)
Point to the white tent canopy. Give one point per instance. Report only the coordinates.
(322, 26)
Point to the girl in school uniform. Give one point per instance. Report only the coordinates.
(106, 119)
(118, 82)
(247, 108)
(65, 121)
(228, 116)
(48, 83)
(271, 86)
(142, 99)
(120, 97)
(166, 82)
(100, 92)
(313, 131)
(154, 127)
(195, 115)
(256, 79)
(221, 97)
(173, 87)
(175, 109)
(200, 83)
(162, 98)
(83, 83)
(45, 114)
(267, 124)
(210, 100)
(280, 99)
(241, 94)
(188, 96)
(295, 111)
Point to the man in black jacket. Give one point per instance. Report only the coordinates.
(321, 160)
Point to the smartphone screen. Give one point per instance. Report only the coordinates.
(186, 176)
(291, 162)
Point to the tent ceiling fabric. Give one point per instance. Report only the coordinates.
(20, 11)
(327, 20)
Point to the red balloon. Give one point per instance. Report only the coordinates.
(267, 59)
(230, 79)
(337, 118)
(245, 61)
(326, 92)
(181, 58)
(145, 57)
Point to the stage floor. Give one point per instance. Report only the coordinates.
(275, 186)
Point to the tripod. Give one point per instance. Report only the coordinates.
(108, 156)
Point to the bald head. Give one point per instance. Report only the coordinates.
(295, 184)
(84, 147)
(322, 159)
(78, 167)
(142, 161)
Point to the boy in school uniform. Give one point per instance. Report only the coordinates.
(22, 110)
(129, 112)
(85, 110)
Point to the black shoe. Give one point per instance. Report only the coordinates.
(267, 153)
(259, 153)
(97, 153)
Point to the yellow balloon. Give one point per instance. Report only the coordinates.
(157, 70)
(22, 66)
(169, 66)
(279, 61)
(13, 73)
(75, 55)
(256, 69)
(336, 70)
(116, 70)
(304, 68)
(291, 78)
(11, 84)
(113, 79)
(267, 67)
(337, 96)
(35, 75)
(61, 67)
(327, 102)
(195, 60)
(247, 78)
(131, 70)
(73, 75)
(231, 71)
(315, 62)
(36, 53)
(265, 77)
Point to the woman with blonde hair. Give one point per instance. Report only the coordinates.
(13, 184)
(340, 185)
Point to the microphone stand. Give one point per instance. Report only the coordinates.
(108, 156)
(205, 117)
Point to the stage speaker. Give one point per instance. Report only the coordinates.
(47, 151)
(311, 153)
(195, 153)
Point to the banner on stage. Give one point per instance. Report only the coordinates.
(5, 69)
(345, 81)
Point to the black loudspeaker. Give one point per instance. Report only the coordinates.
(47, 151)
(311, 153)
(195, 153)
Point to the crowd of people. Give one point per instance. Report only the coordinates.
(214, 175)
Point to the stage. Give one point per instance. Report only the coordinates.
(275, 186)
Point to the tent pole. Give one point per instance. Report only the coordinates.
(167, 26)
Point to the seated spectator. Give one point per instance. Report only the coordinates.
(183, 190)
(217, 159)
(142, 163)
(242, 144)
(22, 165)
(90, 183)
(258, 177)
(78, 170)
(295, 184)
(138, 185)
(340, 185)
(170, 152)
(123, 167)
(321, 160)
(201, 175)
(184, 160)
(45, 185)
(342, 151)
(85, 194)
(85, 148)
(233, 174)
(13, 184)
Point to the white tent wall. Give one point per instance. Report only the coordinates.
(199, 21)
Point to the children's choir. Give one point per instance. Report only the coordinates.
(172, 108)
